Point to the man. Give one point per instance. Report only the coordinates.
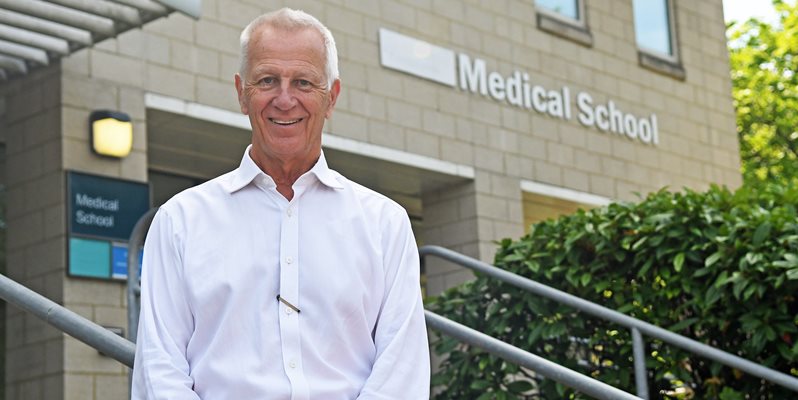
(282, 279)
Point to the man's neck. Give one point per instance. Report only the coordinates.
(285, 172)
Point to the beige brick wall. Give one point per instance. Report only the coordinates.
(449, 220)
(88, 373)
(500, 33)
(46, 131)
(35, 249)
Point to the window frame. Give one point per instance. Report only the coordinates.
(580, 9)
(576, 30)
(668, 64)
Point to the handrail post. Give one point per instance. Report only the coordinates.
(639, 352)
(546, 368)
(133, 286)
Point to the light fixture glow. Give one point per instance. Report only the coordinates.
(111, 133)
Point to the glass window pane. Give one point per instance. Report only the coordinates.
(567, 8)
(652, 25)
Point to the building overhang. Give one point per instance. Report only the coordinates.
(35, 33)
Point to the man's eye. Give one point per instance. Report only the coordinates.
(268, 80)
(303, 83)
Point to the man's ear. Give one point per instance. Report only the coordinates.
(242, 98)
(334, 91)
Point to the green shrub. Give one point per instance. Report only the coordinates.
(719, 267)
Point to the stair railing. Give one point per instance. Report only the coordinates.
(637, 327)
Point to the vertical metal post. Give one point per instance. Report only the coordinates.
(133, 286)
(639, 352)
(556, 372)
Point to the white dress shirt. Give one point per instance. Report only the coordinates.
(216, 257)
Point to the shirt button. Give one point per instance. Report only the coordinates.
(288, 310)
(289, 260)
(292, 364)
(289, 211)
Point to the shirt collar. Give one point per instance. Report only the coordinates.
(248, 171)
(325, 174)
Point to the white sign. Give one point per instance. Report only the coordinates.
(422, 59)
(416, 57)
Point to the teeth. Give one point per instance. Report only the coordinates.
(288, 122)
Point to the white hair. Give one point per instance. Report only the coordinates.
(286, 18)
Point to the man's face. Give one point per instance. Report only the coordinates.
(284, 93)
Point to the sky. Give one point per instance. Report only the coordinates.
(741, 10)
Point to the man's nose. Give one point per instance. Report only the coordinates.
(285, 99)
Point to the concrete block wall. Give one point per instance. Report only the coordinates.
(450, 219)
(95, 80)
(468, 218)
(195, 61)
(698, 144)
(47, 133)
(35, 245)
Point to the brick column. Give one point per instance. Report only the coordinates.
(87, 373)
(46, 129)
(469, 218)
(34, 351)
(449, 221)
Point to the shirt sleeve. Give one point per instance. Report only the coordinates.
(401, 369)
(161, 370)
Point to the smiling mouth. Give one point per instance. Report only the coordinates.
(285, 122)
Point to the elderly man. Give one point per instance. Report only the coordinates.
(282, 279)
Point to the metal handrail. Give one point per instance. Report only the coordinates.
(542, 366)
(605, 313)
(124, 350)
(86, 331)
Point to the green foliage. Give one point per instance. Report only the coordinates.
(719, 267)
(765, 88)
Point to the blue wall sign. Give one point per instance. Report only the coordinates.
(105, 207)
(102, 212)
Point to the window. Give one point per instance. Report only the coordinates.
(567, 8)
(656, 38)
(564, 18)
(652, 26)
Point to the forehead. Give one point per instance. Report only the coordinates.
(279, 45)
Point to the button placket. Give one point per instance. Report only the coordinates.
(289, 290)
